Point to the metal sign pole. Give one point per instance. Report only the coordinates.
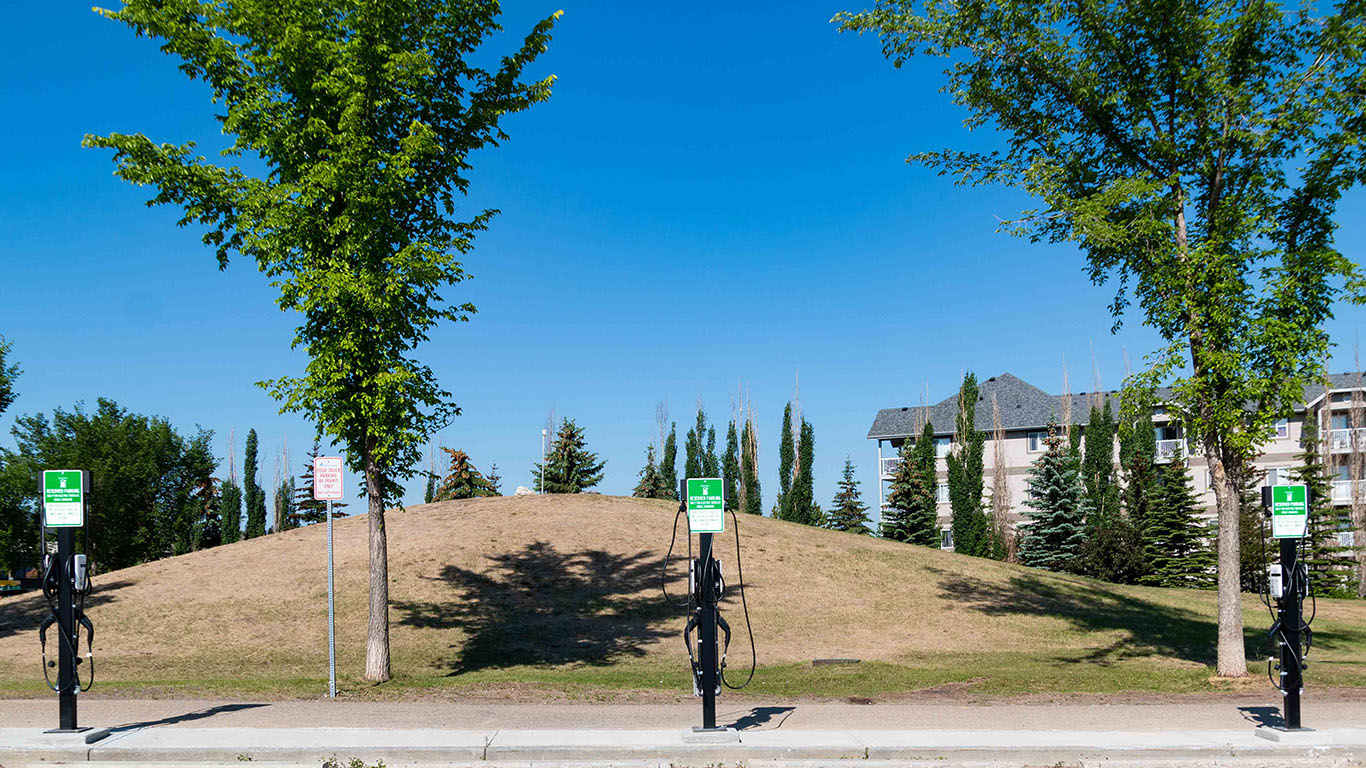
(1292, 671)
(67, 629)
(331, 614)
(707, 650)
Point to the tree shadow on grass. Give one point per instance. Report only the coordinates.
(23, 613)
(542, 606)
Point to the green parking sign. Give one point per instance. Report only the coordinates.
(706, 505)
(1289, 511)
(64, 498)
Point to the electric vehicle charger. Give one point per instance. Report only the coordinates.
(1293, 585)
(78, 570)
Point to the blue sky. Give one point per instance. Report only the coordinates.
(714, 197)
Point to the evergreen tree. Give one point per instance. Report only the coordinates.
(1054, 540)
(971, 528)
(801, 505)
(495, 480)
(847, 511)
(913, 497)
(1256, 550)
(700, 447)
(462, 479)
(711, 467)
(284, 506)
(1175, 542)
(651, 485)
(730, 468)
(1331, 566)
(668, 463)
(230, 509)
(253, 494)
(1138, 462)
(749, 470)
(429, 492)
(306, 508)
(570, 467)
(209, 531)
(787, 457)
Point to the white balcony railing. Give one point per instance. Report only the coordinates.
(1346, 440)
(1342, 490)
(887, 466)
(1169, 450)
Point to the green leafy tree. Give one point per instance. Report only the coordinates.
(360, 121)
(651, 485)
(668, 463)
(306, 508)
(16, 539)
(1054, 538)
(1330, 564)
(252, 494)
(570, 467)
(1114, 542)
(751, 493)
(209, 529)
(700, 447)
(1138, 462)
(847, 510)
(711, 466)
(802, 507)
(285, 519)
(730, 468)
(787, 459)
(971, 526)
(9, 373)
(913, 496)
(1196, 153)
(1255, 552)
(1175, 542)
(462, 480)
(230, 510)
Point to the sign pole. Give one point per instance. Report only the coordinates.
(64, 493)
(1292, 672)
(331, 614)
(707, 652)
(66, 628)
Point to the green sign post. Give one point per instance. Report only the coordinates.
(64, 498)
(706, 505)
(1289, 511)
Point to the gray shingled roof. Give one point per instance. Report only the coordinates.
(1023, 406)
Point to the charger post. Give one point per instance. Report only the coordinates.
(64, 494)
(705, 504)
(1288, 508)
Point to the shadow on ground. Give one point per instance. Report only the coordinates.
(762, 716)
(543, 606)
(23, 613)
(200, 714)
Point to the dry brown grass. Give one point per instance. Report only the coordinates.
(522, 583)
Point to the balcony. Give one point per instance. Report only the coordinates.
(1169, 450)
(1342, 490)
(887, 466)
(1346, 440)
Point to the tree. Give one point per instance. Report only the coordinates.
(750, 491)
(787, 458)
(462, 480)
(494, 479)
(252, 493)
(913, 498)
(1137, 461)
(971, 529)
(668, 463)
(700, 446)
(1196, 152)
(847, 510)
(802, 507)
(1175, 542)
(230, 511)
(429, 489)
(570, 467)
(285, 518)
(209, 529)
(9, 372)
(730, 468)
(361, 120)
(651, 485)
(1114, 543)
(1057, 533)
(1330, 564)
(306, 508)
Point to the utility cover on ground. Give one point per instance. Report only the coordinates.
(1289, 511)
(63, 498)
(706, 505)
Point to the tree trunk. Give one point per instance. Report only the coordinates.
(377, 637)
(1232, 655)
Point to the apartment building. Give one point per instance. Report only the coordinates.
(1020, 412)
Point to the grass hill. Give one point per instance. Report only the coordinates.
(560, 595)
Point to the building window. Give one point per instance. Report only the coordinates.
(941, 446)
(1279, 476)
(941, 493)
(1037, 442)
(1340, 421)
(1282, 429)
(946, 538)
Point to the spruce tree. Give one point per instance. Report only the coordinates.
(1054, 540)
(787, 457)
(668, 463)
(570, 467)
(730, 468)
(306, 508)
(254, 495)
(1331, 566)
(749, 470)
(971, 528)
(1176, 543)
(651, 485)
(230, 509)
(847, 510)
(913, 497)
(462, 479)
(495, 480)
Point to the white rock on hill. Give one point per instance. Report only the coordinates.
(522, 490)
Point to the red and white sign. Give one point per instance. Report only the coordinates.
(327, 478)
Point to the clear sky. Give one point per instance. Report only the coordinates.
(714, 197)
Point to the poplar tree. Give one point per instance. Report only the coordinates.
(730, 468)
(711, 467)
(1054, 540)
(230, 510)
(284, 506)
(668, 463)
(802, 507)
(360, 120)
(1114, 544)
(1137, 461)
(749, 469)
(971, 527)
(253, 495)
(9, 373)
(847, 510)
(570, 467)
(692, 446)
(913, 497)
(1330, 564)
(787, 457)
(1175, 542)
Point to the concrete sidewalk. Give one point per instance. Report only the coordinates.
(1336, 746)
